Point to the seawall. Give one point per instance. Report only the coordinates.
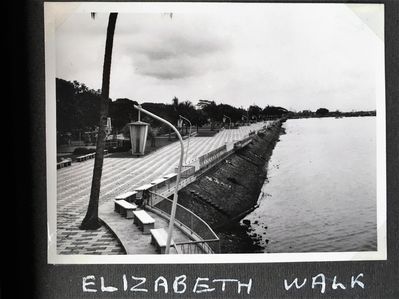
(228, 191)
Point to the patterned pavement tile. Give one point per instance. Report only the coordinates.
(119, 175)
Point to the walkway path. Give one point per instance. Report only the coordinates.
(121, 173)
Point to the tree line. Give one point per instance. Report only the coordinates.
(324, 112)
(78, 108)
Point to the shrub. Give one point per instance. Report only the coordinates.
(83, 151)
(126, 146)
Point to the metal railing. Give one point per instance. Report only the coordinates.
(194, 247)
(211, 156)
(202, 235)
(187, 171)
(243, 142)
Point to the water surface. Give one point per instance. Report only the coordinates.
(321, 189)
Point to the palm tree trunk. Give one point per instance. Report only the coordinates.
(91, 220)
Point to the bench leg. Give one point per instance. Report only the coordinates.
(129, 214)
(162, 249)
(147, 227)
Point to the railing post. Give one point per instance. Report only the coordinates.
(189, 135)
(192, 228)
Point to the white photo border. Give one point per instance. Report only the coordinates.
(50, 9)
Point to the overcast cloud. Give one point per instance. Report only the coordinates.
(295, 56)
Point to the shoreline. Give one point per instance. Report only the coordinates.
(227, 192)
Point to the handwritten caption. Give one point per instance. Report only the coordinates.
(320, 281)
(178, 286)
(181, 284)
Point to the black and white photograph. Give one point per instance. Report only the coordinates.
(214, 132)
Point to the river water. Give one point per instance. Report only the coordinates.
(321, 189)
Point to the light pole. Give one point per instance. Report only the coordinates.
(244, 117)
(189, 135)
(108, 130)
(174, 205)
(224, 118)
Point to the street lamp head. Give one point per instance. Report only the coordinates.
(138, 137)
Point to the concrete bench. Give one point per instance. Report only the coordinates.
(85, 157)
(144, 187)
(144, 221)
(158, 181)
(64, 163)
(128, 196)
(125, 208)
(170, 175)
(89, 156)
(159, 237)
(142, 190)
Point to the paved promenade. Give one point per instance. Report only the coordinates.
(121, 173)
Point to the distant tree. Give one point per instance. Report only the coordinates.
(122, 112)
(67, 118)
(272, 111)
(322, 111)
(175, 114)
(254, 112)
(89, 105)
(234, 113)
(175, 106)
(163, 110)
(211, 111)
(200, 118)
(77, 106)
(187, 110)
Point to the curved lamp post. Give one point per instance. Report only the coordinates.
(224, 118)
(174, 205)
(189, 135)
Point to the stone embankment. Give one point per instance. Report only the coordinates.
(224, 194)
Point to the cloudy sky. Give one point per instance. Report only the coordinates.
(299, 56)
